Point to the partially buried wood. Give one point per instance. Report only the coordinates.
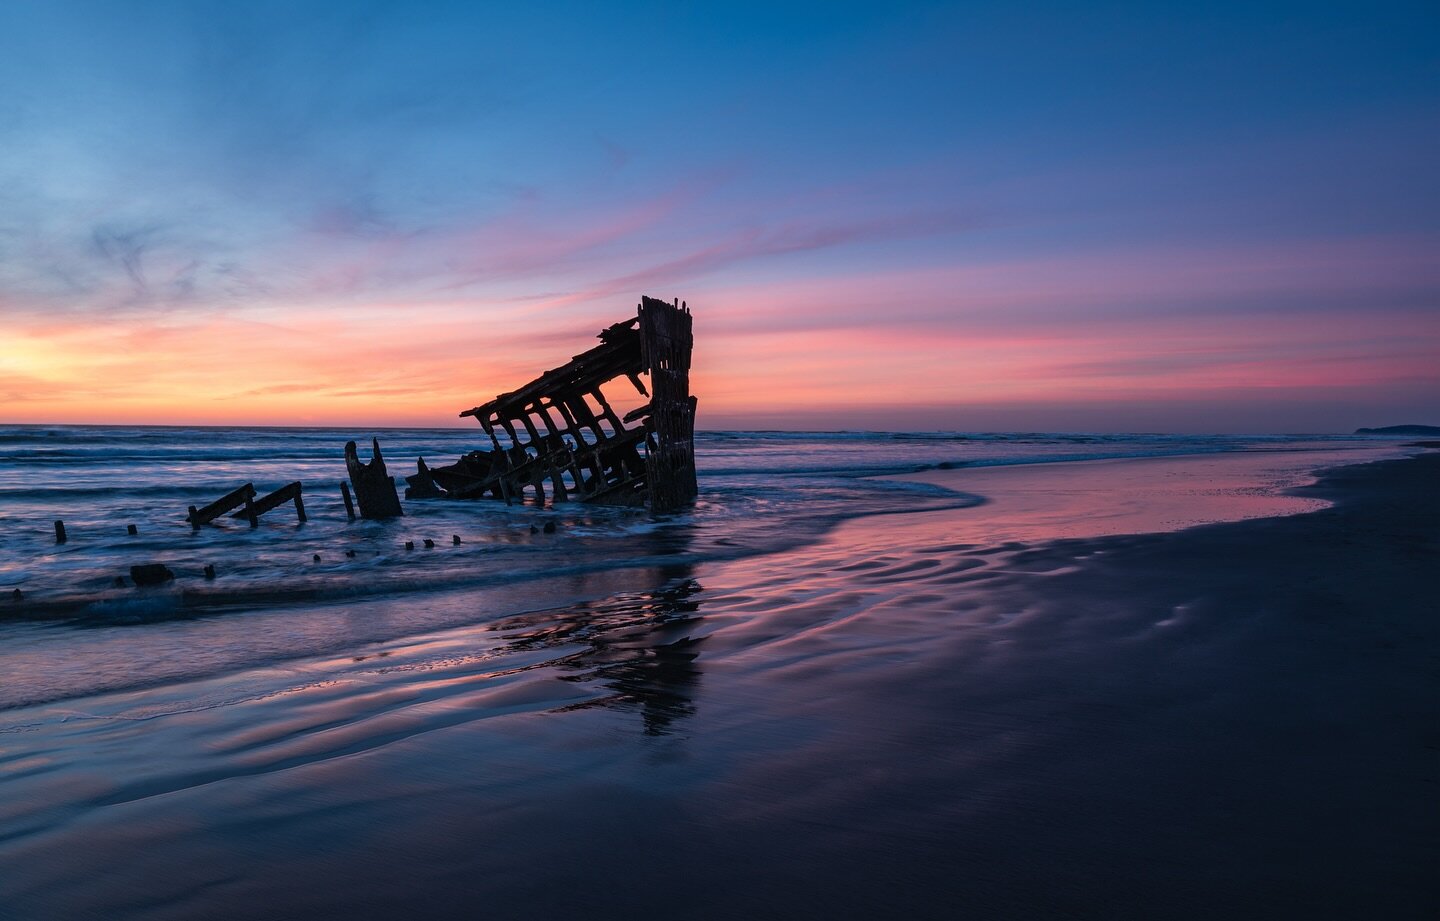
(374, 487)
(288, 493)
(245, 496)
(151, 574)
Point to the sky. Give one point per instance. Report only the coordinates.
(1216, 217)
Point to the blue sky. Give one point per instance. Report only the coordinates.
(1220, 217)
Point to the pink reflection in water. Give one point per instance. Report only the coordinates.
(1040, 502)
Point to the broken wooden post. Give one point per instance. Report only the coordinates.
(280, 496)
(349, 503)
(245, 496)
(131, 530)
(374, 487)
(60, 537)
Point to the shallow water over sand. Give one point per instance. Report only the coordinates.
(837, 725)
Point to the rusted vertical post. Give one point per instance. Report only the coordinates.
(609, 413)
(666, 342)
(349, 503)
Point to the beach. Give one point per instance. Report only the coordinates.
(1123, 687)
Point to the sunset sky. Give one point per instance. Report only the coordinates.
(1207, 217)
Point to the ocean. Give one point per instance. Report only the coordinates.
(761, 492)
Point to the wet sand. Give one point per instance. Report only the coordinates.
(940, 715)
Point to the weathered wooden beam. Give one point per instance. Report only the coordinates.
(287, 493)
(245, 496)
(374, 487)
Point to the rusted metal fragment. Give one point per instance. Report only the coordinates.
(666, 343)
(558, 437)
(422, 483)
(374, 487)
(467, 475)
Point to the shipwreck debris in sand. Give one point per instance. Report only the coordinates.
(288, 493)
(245, 496)
(249, 507)
(560, 429)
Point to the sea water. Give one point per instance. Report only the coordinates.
(288, 589)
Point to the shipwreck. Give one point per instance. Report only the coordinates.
(557, 438)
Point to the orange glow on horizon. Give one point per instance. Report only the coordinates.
(1032, 335)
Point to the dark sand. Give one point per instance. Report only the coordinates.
(904, 720)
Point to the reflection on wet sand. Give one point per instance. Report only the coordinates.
(640, 650)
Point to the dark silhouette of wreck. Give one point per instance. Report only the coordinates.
(560, 430)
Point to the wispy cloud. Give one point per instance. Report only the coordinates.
(220, 211)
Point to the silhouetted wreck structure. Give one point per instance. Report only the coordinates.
(560, 430)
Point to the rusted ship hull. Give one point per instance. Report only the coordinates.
(557, 437)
